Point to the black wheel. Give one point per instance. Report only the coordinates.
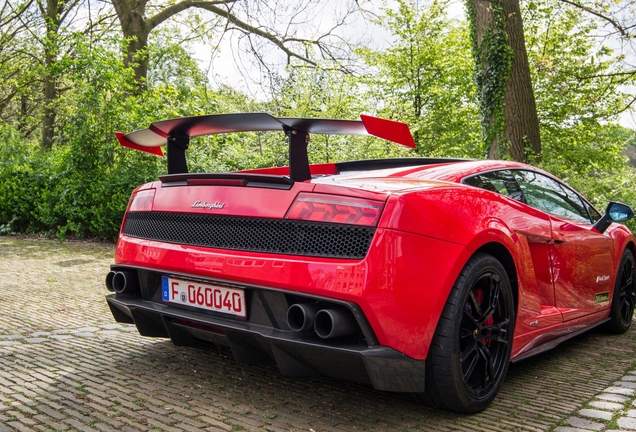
(622, 309)
(469, 356)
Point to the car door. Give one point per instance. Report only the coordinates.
(580, 256)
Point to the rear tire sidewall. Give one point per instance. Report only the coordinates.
(451, 393)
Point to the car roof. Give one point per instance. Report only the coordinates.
(452, 171)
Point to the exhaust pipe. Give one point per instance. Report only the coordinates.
(333, 323)
(109, 281)
(300, 316)
(124, 282)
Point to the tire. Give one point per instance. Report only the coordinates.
(622, 308)
(470, 352)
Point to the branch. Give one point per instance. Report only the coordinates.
(174, 9)
(67, 8)
(615, 24)
(607, 75)
(15, 13)
(628, 106)
(242, 25)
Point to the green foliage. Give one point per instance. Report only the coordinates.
(424, 79)
(20, 68)
(326, 92)
(22, 180)
(82, 185)
(578, 96)
(628, 136)
(576, 81)
(590, 160)
(236, 151)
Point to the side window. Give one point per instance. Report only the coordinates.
(550, 196)
(594, 215)
(502, 182)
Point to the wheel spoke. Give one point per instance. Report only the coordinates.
(472, 364)
(495, 290)
(471, 318)
(466, 336)
(628, 275)
(495, 332)
(498, 326)
(489, 368)
(470, 348)
(627, 286)
(476, 304)
(626, 308)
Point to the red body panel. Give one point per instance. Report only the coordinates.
(236, 201)
(430, 227)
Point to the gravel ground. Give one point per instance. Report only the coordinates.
(66, 365)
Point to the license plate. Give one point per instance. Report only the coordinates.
(215, 298)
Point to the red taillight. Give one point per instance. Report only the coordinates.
(142, 201)
(334, 208)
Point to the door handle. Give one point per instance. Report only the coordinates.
(556, 241)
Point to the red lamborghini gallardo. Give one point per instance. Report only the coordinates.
(418, 275)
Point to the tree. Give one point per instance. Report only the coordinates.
(15, 21)
(54, 12)
(33, 39)
(616, 24)
(520, 111)
(424, 78)
(577, 80)
(250, 18)
(323, 92)
(509, 118)
(577, 84)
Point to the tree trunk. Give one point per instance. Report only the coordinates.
(520, 109)
(492, 67)
(509, 114)
(48, 112)
(134, 26)
(52, 15)
(24, 113)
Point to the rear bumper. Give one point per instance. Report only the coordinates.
(257, 342)
(400, 287)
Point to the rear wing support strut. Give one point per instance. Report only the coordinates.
(298, 158)
(177, 145)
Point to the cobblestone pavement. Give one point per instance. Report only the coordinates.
(66, 365)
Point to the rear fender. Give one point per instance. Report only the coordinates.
(453, 214)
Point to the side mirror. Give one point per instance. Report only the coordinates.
(615, 212)
(619, 212)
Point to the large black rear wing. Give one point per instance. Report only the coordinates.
(176, 134)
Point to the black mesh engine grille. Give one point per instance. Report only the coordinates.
(282, 236)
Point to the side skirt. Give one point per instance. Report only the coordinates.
(546, 346)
